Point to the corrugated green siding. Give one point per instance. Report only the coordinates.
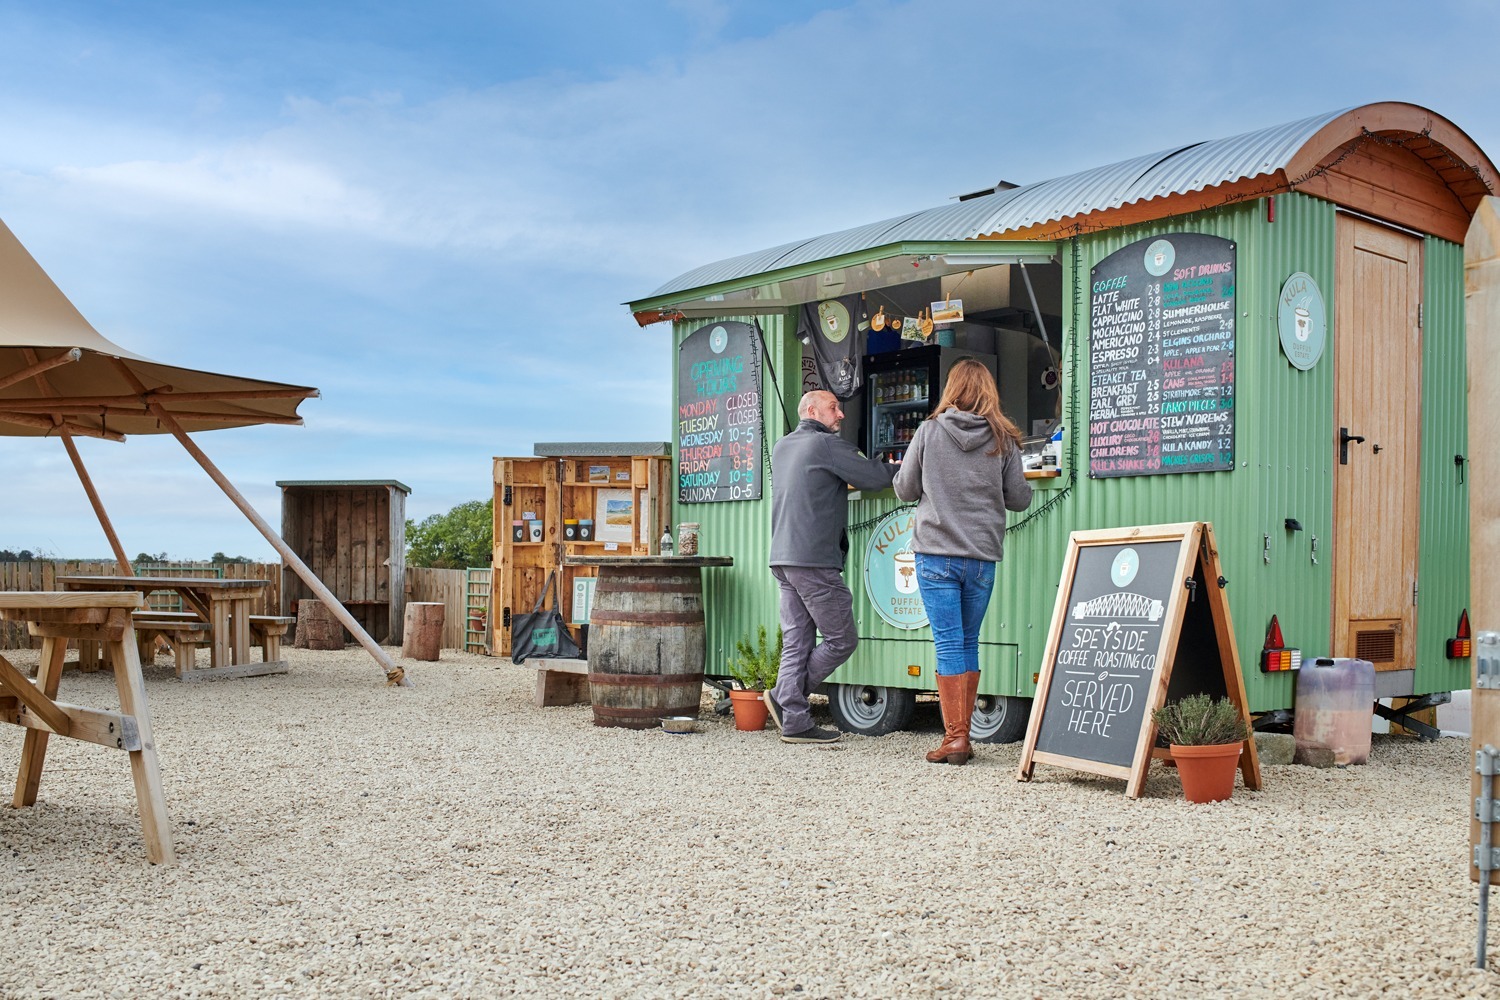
(1443, 560)
(1284, 454)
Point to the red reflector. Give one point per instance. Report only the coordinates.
(1273, 635)
(1461, 647)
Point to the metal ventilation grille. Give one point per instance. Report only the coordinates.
(1376, 645)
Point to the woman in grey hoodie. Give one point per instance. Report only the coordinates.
(963, 468)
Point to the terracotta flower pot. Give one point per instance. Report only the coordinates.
(1207, 772)
(750, 710)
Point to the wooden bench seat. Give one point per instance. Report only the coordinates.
(184, 636)
(267, 631)
(153, 615)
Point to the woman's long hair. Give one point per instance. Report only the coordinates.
(971, 387)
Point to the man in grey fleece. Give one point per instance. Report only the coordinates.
(812, 469)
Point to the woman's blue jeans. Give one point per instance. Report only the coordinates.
(956, 592)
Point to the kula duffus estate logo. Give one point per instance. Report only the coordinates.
(891, 571)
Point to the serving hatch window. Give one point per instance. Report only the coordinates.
(1021, 329)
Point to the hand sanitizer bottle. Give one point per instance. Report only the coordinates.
(666, 545)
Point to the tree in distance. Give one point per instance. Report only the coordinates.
(460, 538)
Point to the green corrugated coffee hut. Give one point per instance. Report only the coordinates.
(1339, 502)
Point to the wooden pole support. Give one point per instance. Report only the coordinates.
(88, 487)
(1482, 318)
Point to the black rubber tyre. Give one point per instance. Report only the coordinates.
(999, 719)
(869, 709)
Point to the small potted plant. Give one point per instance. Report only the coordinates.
(1206, 736)
(754, 668)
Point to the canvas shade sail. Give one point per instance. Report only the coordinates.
(57, 372)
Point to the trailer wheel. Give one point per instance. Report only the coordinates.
(999, 719)
(871, 710)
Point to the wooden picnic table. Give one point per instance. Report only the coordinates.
(98, 617)
(224, 604)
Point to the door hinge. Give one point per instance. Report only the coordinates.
(1414, 592)
(505, 618)
(505, 502)
(1419, 315)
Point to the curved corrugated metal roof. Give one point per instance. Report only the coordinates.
(1181, 170)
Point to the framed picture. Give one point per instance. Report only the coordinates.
(614, 516)
(598, 473)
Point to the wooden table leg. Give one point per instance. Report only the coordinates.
(144, 769)
(89, 653)
(34, 745)
(218, 622)
(239, 623)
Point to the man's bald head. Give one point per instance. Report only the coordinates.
(812, 398)
(822, 406)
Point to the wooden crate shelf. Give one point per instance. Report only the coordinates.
(557, 489)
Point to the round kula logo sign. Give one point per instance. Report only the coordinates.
(891, 571)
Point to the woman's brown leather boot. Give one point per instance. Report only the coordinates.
(955, 746)
(971, 695)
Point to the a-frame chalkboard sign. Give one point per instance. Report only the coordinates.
(1141, 617)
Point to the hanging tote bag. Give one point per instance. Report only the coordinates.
(542, 634)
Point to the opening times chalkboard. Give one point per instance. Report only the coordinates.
(719, 426)
(1161, 357)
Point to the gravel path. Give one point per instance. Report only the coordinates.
(336, 837)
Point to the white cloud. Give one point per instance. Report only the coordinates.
(258, 184)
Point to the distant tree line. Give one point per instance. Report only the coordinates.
(461, 538)
(218, 558)
(25, 555)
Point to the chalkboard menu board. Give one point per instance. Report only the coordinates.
(1161, 357)
(719, 428)
(1127, 633)
(1108, 650)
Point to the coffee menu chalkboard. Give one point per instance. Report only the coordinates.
(1127, 633)
(719, 429)
(1161, 357)
(1106, 657)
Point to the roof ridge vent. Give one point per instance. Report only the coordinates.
(999, 186)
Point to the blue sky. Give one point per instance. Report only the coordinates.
(433, 212)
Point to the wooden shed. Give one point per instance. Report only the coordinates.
(353, 534)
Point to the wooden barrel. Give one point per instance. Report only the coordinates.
(645, 644)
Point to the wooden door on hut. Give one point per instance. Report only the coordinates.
(353, 534)
(1377, 464)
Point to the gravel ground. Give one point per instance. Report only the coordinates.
(336, 837)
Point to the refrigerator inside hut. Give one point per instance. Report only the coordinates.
(901, 388)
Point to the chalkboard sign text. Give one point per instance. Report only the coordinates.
(719, 427)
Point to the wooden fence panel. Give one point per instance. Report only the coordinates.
(445, 586)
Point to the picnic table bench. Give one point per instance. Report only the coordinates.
(105, 618)
(222, 604)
